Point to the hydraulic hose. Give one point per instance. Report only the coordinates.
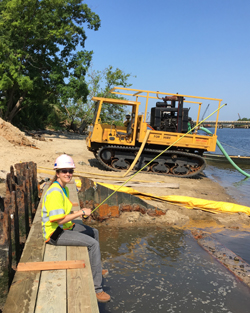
(225, 153)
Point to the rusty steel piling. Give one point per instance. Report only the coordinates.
(17, 213)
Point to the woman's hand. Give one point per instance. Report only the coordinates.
(87, 211)
(74, 215)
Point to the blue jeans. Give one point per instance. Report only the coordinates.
(86, 236)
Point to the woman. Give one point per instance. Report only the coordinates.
(58, 228)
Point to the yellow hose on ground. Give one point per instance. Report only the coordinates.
(46, 170)
(41, 170)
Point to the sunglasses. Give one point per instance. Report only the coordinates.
(67, 171)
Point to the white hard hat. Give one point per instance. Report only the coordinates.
(64, 161)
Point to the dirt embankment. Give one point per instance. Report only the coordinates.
(13, 135)
(16, 146)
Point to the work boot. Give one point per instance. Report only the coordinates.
(105, 272)
(102, 297)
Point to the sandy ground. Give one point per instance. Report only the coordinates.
(17, 147)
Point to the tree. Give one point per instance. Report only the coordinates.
(99, 84)
(39, 64)
(244, 119)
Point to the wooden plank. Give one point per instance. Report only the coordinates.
(50, 265)
(136, 184)
(52, 296)
(23, 291)
(80, 286)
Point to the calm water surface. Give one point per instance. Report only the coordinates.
(165, 270)
(235, 142)
(156, 269)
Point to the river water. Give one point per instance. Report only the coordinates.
(235, 142)
(163, 269)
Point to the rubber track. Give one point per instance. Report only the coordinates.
(155, 153)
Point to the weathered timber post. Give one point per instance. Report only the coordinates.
(16, 227)
(32, 168)
(9, 242)
(28, 189)
(22, 197)
(20, 203)
(10, 181)
(5, 240)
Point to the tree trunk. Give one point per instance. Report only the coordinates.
(15, 110)
(9, 105)
(82, 127)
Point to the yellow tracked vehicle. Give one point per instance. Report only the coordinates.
(115, 147)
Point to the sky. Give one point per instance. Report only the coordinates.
(191, 47)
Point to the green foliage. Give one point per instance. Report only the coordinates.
(100, 83)
(40, 68)
(244, 119)
(37, 116)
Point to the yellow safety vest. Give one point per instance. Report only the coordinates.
(56, 205)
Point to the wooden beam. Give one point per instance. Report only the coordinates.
(81, 296)
(51, 265)
(135, 184)
(52, 294)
